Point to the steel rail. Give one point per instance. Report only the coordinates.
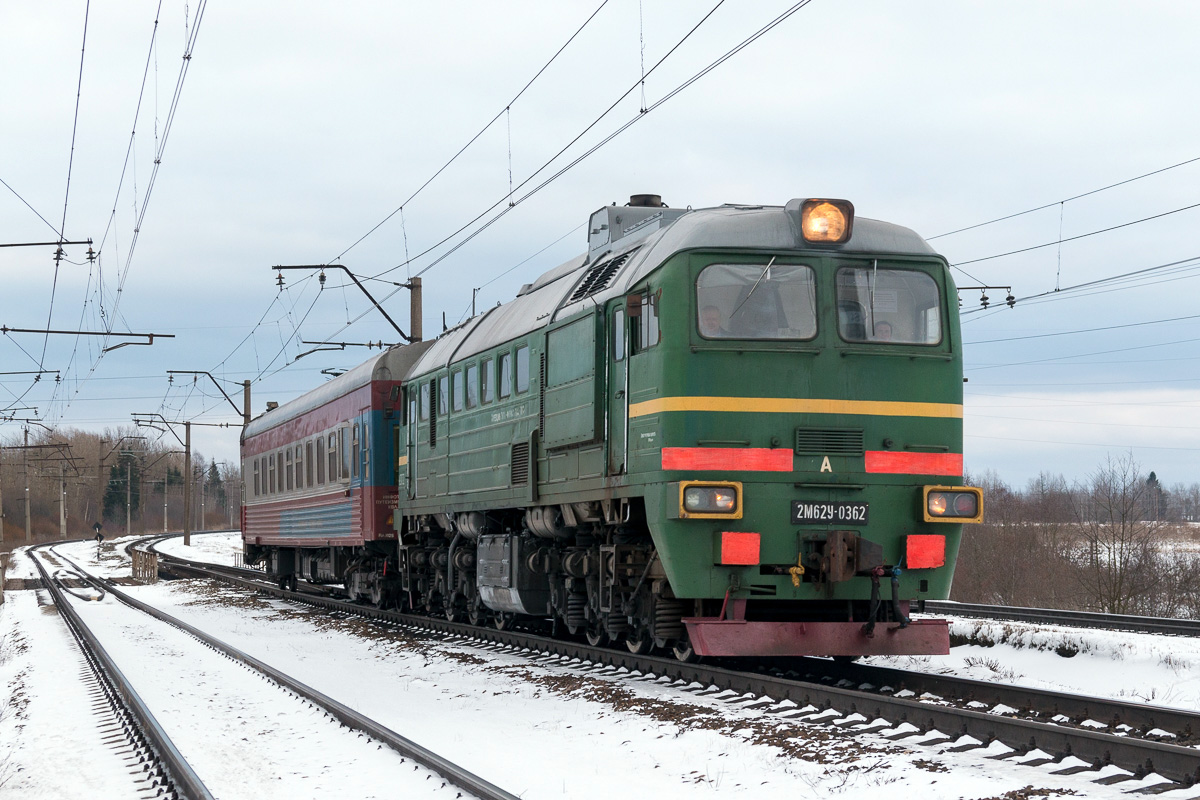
(1183, 725)
(1175, 763)
(1078, 619)
(352, 719)
(183, 779)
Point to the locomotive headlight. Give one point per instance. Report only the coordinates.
(826, 221)
(953, 504)
(706, 499)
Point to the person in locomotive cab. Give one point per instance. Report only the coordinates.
(712, 323)
(883, 331)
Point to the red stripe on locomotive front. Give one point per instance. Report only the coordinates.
(745, 459)
(887, 461)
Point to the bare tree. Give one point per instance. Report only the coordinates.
(1119, 554)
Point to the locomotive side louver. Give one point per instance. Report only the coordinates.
(829, 441)
(519, 468)
(598, 277)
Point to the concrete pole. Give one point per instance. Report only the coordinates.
(62, 501)
(100, 484)
(187, 484)
(1, 513)
(203, 496)
(25, 465)
(414, 309)
(166, 475)
(128, 495)
(245, 403)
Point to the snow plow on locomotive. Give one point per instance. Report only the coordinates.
(727, 431)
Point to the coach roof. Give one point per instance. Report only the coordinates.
(390, 365)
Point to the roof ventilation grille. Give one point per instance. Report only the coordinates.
(599, 277)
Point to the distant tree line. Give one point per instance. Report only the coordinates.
(105, 478)
(1117, 541)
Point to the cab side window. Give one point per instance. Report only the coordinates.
(459, 393)
(522, 369)
(645, 331)
(488, 381)
(505, 375)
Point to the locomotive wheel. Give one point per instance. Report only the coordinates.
(453, 609)
(682, 650)
(503, 621)
(290, 580)
(378, 596)
(477, 614)
(639, 643)
(596, 635)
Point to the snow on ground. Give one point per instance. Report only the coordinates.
(539, 729)
(1134, 667)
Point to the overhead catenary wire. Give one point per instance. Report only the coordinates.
(70, 166)
(114, 313)
(729, 54)
(1064, 200)
(1080, 236)
(1134, 278)
(503, 112)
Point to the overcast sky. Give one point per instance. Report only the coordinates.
(299, 127)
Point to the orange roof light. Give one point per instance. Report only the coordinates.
(826, 221)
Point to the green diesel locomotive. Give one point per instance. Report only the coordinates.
(725, 431)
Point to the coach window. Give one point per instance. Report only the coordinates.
(505, 380)
(271, 473)
(308, 463)
(618, 334)
(354, 451)
(257, 482)
(457, 382)
(488, 383)
(321, 460)
(344, 449)
(888, 306)
(279, 470)
(299, 466)
(287, 457)
(425, 400)
(443, 392)
(472, 386)
(333, 459)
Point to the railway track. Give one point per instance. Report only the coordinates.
(1144, 740)
(1078, 619)
(164, 766)
(178, 776)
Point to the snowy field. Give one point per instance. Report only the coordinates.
(548, 730)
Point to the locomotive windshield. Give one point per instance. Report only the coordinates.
(757, 301)
(895, 306)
